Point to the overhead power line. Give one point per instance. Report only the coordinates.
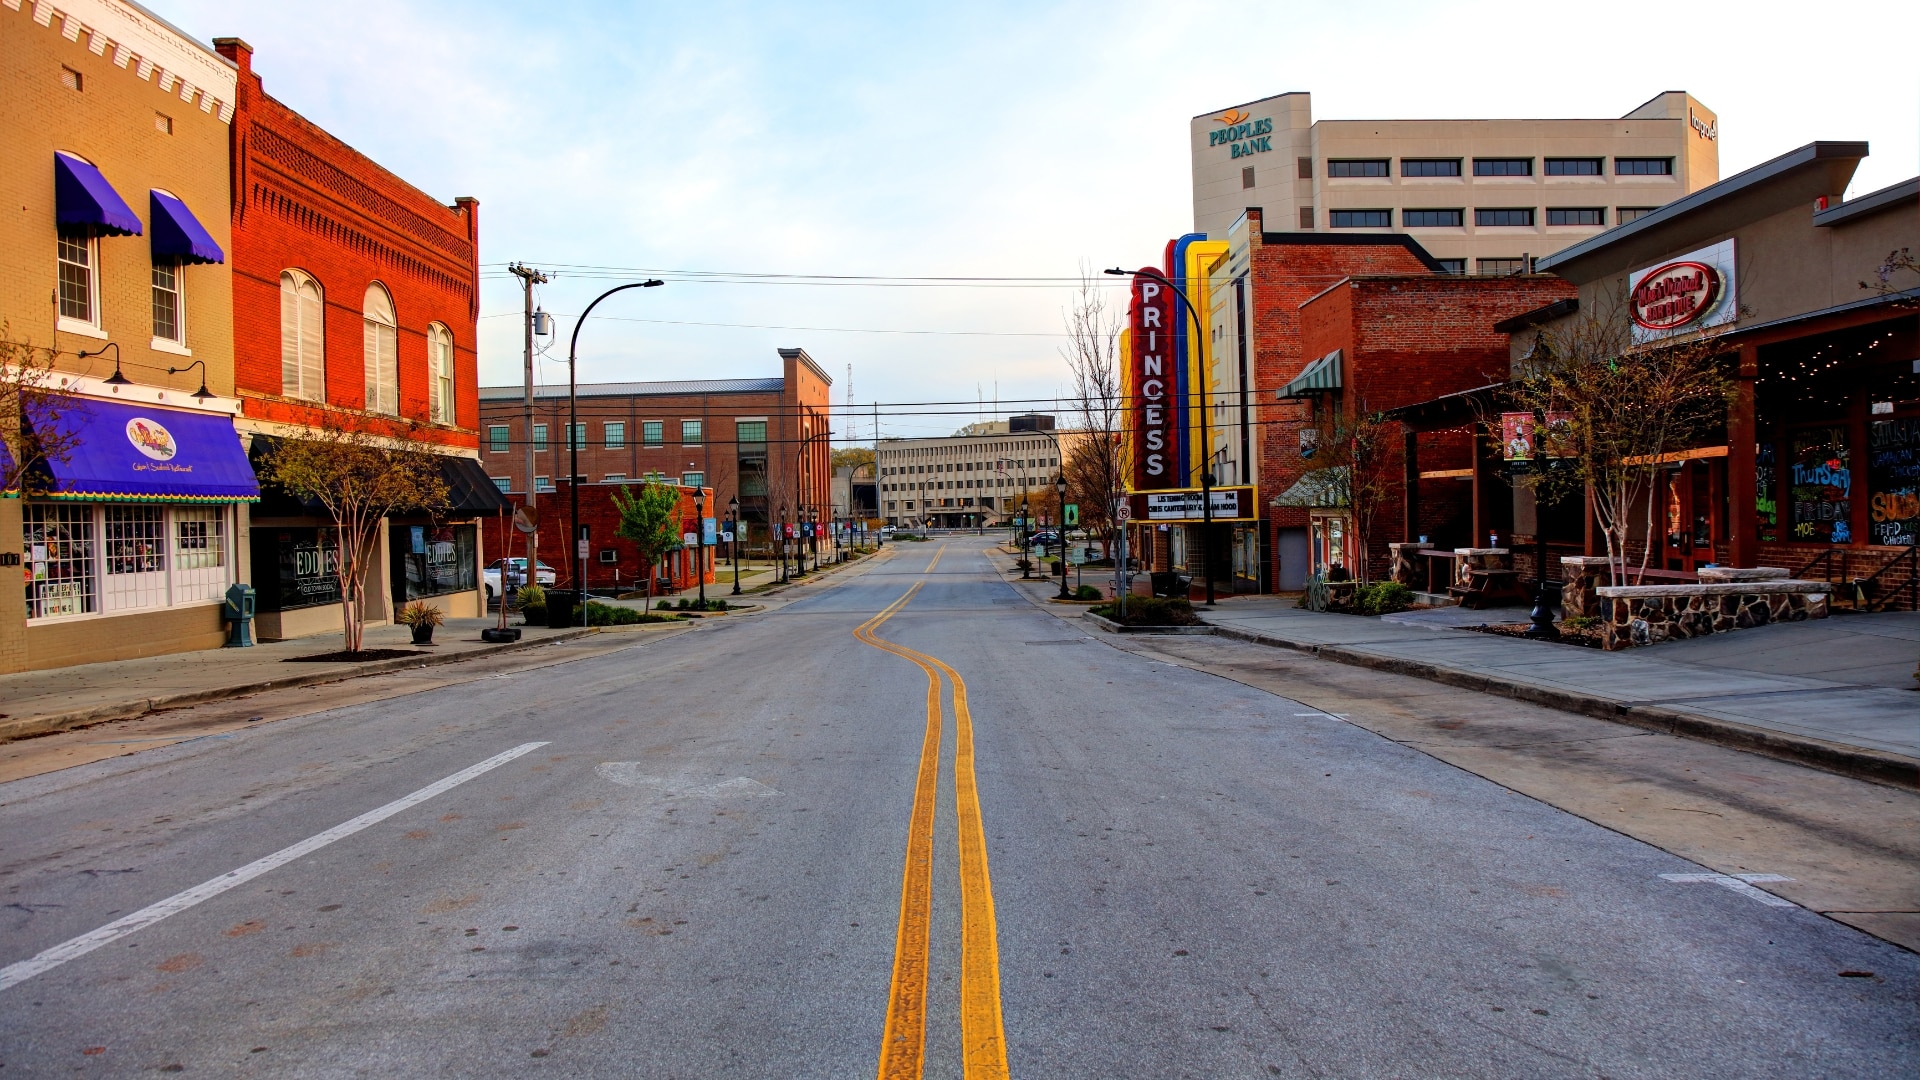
(807, 329)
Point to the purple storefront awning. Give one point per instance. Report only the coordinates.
(177, 234)
(82, 198)
(143, 453)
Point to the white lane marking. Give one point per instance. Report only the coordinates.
(1330, 716)
(629, 774)
(1739, 883)
(16, 973)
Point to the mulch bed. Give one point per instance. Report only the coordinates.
(351, 657)
(1586, 639)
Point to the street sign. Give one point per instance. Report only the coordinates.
(1070, 514)
(526, 519)
(689, 539)
(1122, 510)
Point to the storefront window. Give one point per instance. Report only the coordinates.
(86, 559)
(295, 568)
(433, 560)
(1893, 481)
(1766, 479)
(1822, 486)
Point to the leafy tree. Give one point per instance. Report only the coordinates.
(851, 457)
(651, 520)
(361, 475)
(33, 427)
(1611, 413)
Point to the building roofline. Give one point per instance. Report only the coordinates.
(1387, 239)
(1544, 314)
(1629, 113)
(642, 388)
(1793, 160)
(1889, 196)
(1907, 296)
(182, 34)
(1208, 115)
(801, 355)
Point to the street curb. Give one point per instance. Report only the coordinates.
(1878, 766)
(1112, 627)
(49, 723)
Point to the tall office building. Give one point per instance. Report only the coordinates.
(1480, 195)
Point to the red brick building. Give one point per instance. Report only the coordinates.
(764, 441)
(612, 564)
(1397, 340)
(355, 300)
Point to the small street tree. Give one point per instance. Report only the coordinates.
(360, 475)
(651, 520)
(1609, 414)
(33, 427)
(1095, 462)
(1357, 467)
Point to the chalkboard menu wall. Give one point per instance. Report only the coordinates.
(1893, 481)
(1822, 486)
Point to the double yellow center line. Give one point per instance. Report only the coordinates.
(982, 1033)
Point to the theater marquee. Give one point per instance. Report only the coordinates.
(1155, 385)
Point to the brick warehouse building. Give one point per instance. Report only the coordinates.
(355, 300)
(1389, 341)
(764, 441)
(613, 564)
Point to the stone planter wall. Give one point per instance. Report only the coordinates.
(1580, 575)
(1405, 565)
(1479, 559)
(1649, 614)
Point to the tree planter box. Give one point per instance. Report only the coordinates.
(1116, 628)
(1648, 614)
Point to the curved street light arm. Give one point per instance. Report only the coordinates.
(573, 443)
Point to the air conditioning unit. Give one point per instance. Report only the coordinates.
(609, 556)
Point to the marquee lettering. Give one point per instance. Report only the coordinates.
(1150, 314)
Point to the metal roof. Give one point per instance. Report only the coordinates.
(1893, 195)
(1320, 377)
(1811, 154)
(638, 389)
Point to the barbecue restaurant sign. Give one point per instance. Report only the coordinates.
(1692, 292)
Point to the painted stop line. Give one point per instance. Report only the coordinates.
(1740, 883)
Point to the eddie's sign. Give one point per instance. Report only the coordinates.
(1691, 292)
(1154, 382)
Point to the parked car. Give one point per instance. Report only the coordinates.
(1044, 539)
(516, 571)
(886, 532)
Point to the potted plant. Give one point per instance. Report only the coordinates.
(421, 617)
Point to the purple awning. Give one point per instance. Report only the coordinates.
(177, 234)
(143, 453)
(83, 198)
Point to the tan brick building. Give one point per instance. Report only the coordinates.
(112, 244)
(765, 441)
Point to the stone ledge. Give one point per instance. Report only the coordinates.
(1717, 574)
(1712, 588)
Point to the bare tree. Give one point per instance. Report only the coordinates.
(34, 427)
(360, 474)
(1095, 466)
(1609, 414)
(1357, 467)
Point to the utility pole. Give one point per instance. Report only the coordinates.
(529, 277)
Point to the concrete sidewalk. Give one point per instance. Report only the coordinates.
(37, 702)
(1824, 693)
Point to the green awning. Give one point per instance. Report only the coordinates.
(1321, 377)
(1321, 489)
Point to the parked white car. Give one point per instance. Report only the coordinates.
(516, 571)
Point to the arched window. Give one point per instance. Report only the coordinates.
(303, 372)
(382, 341)
(440, 403)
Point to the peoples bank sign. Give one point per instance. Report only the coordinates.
(1246, 136)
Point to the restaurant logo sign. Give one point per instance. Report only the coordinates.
(151, 439)
(1691, 292)
(1153, 381)
(1245, 136)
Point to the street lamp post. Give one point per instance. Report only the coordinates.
(1206, 441)
(700, 543)
(733, 546)
(1060, 488)
(573, 440)
(780, 546)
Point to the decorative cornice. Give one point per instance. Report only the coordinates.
(143, 40)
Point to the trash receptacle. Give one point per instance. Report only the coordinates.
(239, 611)
(562, 605)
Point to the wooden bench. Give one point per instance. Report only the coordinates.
(1486, 588)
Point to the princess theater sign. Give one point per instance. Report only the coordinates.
(1688, 293)
(1155, 384)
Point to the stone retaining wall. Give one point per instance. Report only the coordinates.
(1648, 614)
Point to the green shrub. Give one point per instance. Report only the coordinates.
(1581, 622)
(664, 605)
(1382, 598)
(1088, 592)
(1150, 611)
(684, 604)
(599, 614)
(532, 596)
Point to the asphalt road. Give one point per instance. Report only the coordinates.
(699, 870)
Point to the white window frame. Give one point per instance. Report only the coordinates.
(177, 344)
(380, 348)
(441, 403)
(175, 582)
(93, 325)
(303, 348)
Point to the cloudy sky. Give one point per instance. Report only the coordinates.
(985, 139)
